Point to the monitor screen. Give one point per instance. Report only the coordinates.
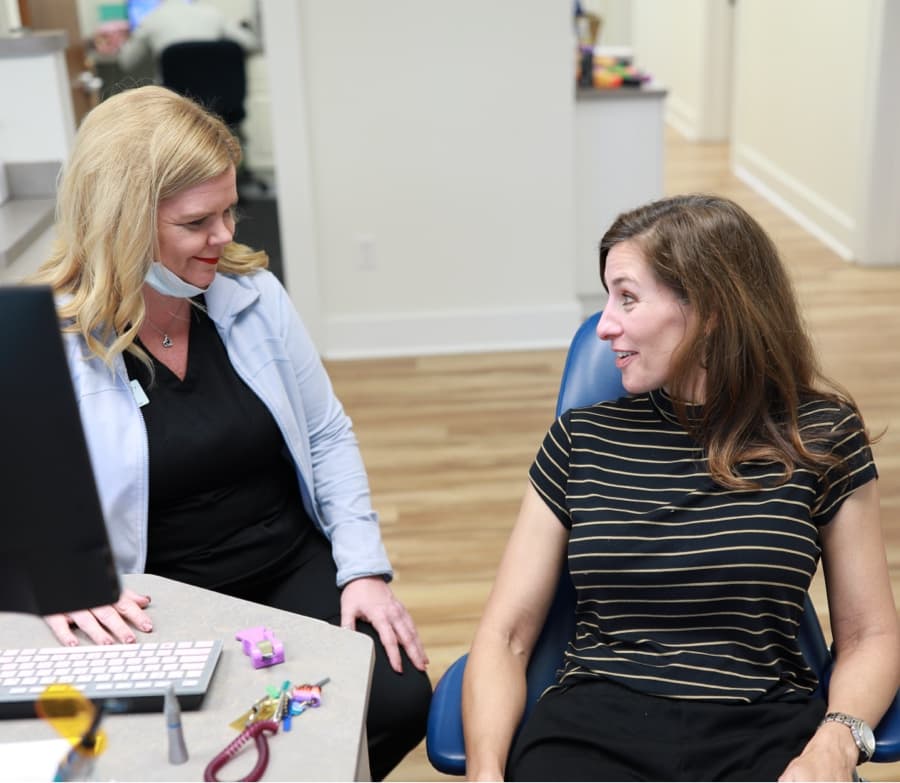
(55, 554)
(138, 9)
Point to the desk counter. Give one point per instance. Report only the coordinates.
(328, 743)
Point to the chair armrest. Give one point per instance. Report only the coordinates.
(444, 738)
(444, 741)
(887, 734)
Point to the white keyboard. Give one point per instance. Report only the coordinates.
(131, 677)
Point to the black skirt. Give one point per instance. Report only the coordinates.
(599, 730)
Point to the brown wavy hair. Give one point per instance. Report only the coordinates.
(749, 336)
(131, 151)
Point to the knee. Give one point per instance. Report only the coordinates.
(401, 700)
(397, 718)
(418, 698)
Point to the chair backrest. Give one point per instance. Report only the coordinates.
(590, 375)
(211, 72)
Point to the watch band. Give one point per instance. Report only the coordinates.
(859, 729)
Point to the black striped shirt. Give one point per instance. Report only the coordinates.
(688, 589)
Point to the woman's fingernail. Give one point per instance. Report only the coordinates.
(147, 627)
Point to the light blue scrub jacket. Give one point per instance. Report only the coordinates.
(273, 354)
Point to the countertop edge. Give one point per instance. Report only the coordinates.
(33, 43)
(600, 93)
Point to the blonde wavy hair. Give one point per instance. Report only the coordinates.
(132, 151)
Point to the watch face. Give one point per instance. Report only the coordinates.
(868, 737)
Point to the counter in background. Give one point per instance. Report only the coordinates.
(619, 135)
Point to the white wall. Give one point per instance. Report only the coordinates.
(878, 239)
(616, 16)
(37, 122)
(440, 171)
(800, 108)
(9, 16)
(806, 92)
(687, 46)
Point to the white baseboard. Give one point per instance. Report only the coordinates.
(682, 117)
(446, 332)
(809, 210)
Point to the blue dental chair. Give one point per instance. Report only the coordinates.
(589, 376)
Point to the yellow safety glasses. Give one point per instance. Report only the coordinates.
(75, 718)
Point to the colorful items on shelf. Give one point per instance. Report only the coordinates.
(607, 72)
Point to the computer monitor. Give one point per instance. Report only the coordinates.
(55, 555)
(138, 9)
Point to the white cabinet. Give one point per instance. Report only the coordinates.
(619, 146)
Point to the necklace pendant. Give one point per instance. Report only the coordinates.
(167, 341)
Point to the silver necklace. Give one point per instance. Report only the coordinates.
(166, 340)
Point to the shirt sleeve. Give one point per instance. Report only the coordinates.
(549, 472)
(243, 36)
(855, 468)
(134, 50)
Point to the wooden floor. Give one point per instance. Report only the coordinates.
(448, 439)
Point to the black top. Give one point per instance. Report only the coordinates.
(225, 503)
(685, 588)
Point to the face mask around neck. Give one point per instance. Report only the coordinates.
(166, 282)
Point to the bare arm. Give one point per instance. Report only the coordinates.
(866, 634)
(494, 681)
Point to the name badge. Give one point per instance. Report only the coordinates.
(140, 395)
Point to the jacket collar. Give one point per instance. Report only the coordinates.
(227, 297)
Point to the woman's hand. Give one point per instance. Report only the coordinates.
(831, 754)
(370, 598)
(104, 624)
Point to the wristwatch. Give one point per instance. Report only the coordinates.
(862, 733)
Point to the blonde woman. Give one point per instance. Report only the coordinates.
(222, 456)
